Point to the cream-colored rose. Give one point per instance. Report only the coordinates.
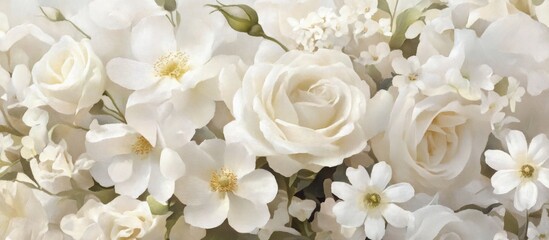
(22, 216)
(70, 76)
(122, 218)
(302, 111)
(431, 142)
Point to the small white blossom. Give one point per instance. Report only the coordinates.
(369, 202)
(522, 168)
(301, 209)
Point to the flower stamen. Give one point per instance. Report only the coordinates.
(223, 181)
(527, 171)
(173, 65)
(372, 200)
(142, 146)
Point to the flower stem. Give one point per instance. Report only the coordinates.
(118, 111)
(77, 28)
(275, 41)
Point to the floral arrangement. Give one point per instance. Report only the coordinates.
(274, 119)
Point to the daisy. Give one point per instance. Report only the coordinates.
(369, 202)
(522, 168)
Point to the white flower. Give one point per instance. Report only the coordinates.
(166, 61)
(222, 183)
(70, 76)
(279, 220)
(22, 216)
(303, 111)
(440, 222)
(434, 142)
(369, 202)
(514, 92)
(125, 159)
(541, 232)
(6, 145)
(118, 14)
(408, 72)
(522, 168)
(327, 228)
(301, 209)
(122, 218)
(375, 54)
(55, 171)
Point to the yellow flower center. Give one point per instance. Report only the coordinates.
(142, 146)
(412, 77)
(527, 171)
(223, 181)
(173, 65)
(372, 200)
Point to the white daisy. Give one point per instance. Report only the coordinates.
(522, 168)
(367, 201)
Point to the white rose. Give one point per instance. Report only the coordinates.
(434, 142)
(122, 218)
(440, 222)
(22, 216)
(302, 111)
(70, 76)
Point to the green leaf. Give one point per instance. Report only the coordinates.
(403, 21)
(156, 207)
(160, 2)
(170, 5)
(537, 2)
(383, 5)
(97, 108)
(177, 18)
(510, 223)
(286, 236)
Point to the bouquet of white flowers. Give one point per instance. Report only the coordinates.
(274, 119)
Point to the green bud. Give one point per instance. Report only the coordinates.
(170, 5)
(52, 14)
(241, 18)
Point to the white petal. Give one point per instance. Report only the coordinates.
(543, 176)
(395, 215)
(211, 213)
(245, 216)
(121, 168)
(344, 191)
(381, 175)
(516, 143)
(526, 196)
(400, 192)
(401, 66)
(130, 74)
(194, 106)
(348, 214)
(160, 187)
(171, 165)
(538, 150)
(504, 181)
(138, 182)
(192, 190)
(499, 160)
(152, 37)
(358, 177)
(258, 186)
(374, 227)
(238, 159)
